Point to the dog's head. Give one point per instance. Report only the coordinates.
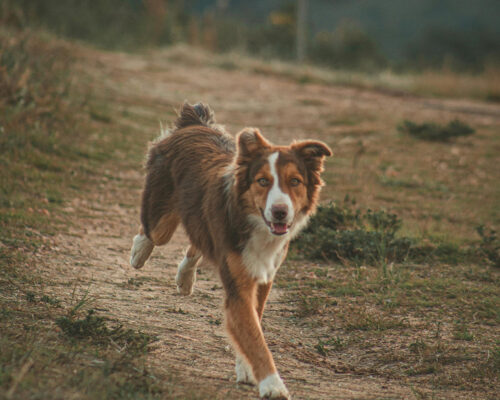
(280, 184)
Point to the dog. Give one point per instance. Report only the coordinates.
(241, 202)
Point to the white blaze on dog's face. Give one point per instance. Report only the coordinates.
(282, 181)
(279, 192)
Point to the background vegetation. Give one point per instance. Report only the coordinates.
(365, 35)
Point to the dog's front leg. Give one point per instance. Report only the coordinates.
(244, 372)
(243, 325)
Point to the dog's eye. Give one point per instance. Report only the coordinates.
(294, 182)
(263, 182)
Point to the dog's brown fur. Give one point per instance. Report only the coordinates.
(197, 175)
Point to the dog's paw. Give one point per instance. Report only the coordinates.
(273, 387)
(186, 275)
(185, 282)
(141, 250)
(244, 372)
(185, 290)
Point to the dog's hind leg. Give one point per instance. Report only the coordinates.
(186, 272)
(141, 249)
(143, 245)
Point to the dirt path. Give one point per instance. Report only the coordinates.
(94, 254)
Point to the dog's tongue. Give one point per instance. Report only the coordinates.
(279, 229)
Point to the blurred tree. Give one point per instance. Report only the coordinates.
(347, 47)
(157, 10)
(301, 38)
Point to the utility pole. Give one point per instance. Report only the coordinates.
(301, 35)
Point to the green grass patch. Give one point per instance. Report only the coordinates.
(435, 132)
(51, 148)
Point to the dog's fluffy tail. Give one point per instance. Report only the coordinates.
(198, 114)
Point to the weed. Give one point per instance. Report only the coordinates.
(462, 333)
(332, 344)
(489, 245)
(434, 132)
(214, 321)
(361, 320)
(310, 305)
(30, 297)
(50, 300)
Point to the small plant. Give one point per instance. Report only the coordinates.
(310, 305)
(462, 333)
(30, 296)
(489, 245)
(332, 344)
(434, 132)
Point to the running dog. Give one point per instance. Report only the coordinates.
(240, 202)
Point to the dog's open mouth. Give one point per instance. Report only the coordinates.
(277, 228)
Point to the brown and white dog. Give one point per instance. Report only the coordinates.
(240, 204)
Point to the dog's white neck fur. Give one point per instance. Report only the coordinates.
(263, 252)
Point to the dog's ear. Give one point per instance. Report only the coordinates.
(312, 152)
(250, 141)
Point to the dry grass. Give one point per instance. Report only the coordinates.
(444, 83)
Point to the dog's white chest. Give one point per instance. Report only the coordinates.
(263, 254)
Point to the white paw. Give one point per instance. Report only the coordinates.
(244, 372)
(141, 250)
(185, 283)
(273, 387)
(186, 276)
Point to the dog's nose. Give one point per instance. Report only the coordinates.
(279, 211)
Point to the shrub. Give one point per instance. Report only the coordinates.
(348, 47)
(434, 132)
(343, 232)
(442, 47)
(110, 23)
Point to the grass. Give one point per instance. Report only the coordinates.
(49, 346)
(435, 83)
(435, 132)
(416, 322)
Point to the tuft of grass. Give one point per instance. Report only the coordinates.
(462, 333)
(489, 245)
(94, 328)
(332, 344)
(435, 132)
